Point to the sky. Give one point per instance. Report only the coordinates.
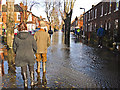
(87, 4)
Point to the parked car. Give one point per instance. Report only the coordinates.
(33, 31)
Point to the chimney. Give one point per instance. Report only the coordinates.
(6, 2)
(40, 17)
(92, 6)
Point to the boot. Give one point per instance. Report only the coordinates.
(32, 78)
(24, 74)
(38, 67)
(44, 68)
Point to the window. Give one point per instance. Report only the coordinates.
(89, 15)
(86, 17)
(86, 27)
(116, 23)
(95, 26)
(106, 26)
(29, 18)
(110, 6)
(117, 5)
(109, 25)
(102, 10)
(101, 24)
(90, 26)
(95, 13)
(106, 8)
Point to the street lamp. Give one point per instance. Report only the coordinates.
(83, 8)
(83, 23)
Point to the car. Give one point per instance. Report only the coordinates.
(33, 31)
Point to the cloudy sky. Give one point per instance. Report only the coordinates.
(87, 4)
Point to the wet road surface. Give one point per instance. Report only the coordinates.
(77, 66)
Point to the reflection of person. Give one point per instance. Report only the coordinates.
(43, 42)
(44, 80)
(1, 63)
(24, 46)
(100, 34)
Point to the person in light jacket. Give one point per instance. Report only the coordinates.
(43, 42)
(24, 46)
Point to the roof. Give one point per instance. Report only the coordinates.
(93, 7)
(17, 8)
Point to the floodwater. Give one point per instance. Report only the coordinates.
(77, 66)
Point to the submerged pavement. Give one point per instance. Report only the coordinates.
(77, 66)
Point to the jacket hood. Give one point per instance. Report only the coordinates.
(23, 35)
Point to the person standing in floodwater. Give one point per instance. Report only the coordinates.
(25, 47)
(43, 42)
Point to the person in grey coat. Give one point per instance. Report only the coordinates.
(24, 46)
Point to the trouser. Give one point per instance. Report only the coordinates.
(24, 74)
(39, 57)
(24, 68)
(100, 39)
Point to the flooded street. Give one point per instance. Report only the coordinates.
(77, 66)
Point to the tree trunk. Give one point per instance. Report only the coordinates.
(67, 28)
(10, 22)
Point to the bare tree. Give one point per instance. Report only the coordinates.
(66, 15)
(52, 13)
(55, 17)
(28, 5)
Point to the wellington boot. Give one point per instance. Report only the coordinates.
(32, 79)
(25, 79)
(44, 68)
(38, 67)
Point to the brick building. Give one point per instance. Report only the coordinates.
(17, 14)
(77, 22)
(107, 15)
(32, 20)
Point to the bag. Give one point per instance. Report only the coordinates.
(50, 32)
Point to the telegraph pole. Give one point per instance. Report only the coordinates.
(10, 22)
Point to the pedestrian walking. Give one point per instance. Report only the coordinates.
(78, 32)
(100, 34)
(25, 46)
(43, 42)
(50, 32)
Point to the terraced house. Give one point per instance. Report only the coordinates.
(106, 14)
(32, 20)
(17, 14)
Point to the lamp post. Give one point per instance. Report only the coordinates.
(83, 23)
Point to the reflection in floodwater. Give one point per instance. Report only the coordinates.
(12, 76)
(77, 66)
